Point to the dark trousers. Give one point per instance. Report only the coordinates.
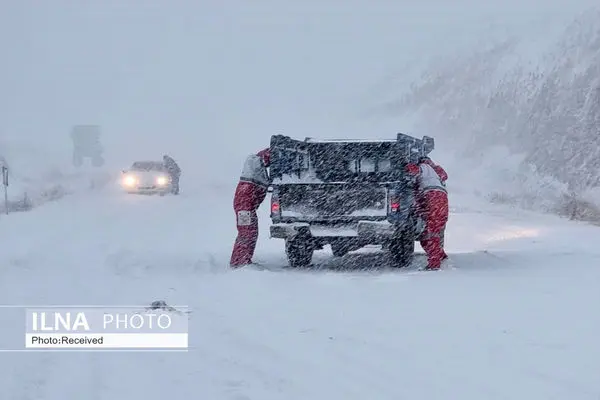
(175, 184)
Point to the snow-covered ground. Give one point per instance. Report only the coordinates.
(515, 319)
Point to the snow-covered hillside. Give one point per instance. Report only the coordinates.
(208, 83)
(528, 102)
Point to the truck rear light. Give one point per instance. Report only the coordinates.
(275, 207)
(394, 203)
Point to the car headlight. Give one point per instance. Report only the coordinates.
(162, 180)
(129, 180)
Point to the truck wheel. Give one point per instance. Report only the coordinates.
(299, 253)
(339, 249)
(402, 249)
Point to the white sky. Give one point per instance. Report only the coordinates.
(194, 77)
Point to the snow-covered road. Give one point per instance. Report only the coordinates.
(517, 319)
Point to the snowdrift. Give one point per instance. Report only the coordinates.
(35, 177)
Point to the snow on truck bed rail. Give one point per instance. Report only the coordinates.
(312, 140)
(295, 180)
(289, 179)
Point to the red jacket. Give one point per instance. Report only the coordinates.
(439, 170)
(420, 187)
(248, 196)
(254, 181)
(414, 169)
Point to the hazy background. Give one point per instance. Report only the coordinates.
(209, 81)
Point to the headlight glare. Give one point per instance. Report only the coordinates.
(129, 180)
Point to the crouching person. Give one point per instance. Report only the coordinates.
(250, 193)
(174, 173)
(432, 199)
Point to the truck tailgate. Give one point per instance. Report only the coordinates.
(329, 201)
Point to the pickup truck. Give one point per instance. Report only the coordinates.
(346, 194)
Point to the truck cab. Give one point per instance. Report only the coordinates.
(346, 194)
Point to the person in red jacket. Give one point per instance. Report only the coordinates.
(432, 205)
(250, 193)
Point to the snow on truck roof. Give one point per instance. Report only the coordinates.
(313, 140)
(147, 165)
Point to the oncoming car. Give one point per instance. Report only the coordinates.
(147, 177)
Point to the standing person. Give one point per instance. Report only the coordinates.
(174, 173)
(250, 193)
(432, 203)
